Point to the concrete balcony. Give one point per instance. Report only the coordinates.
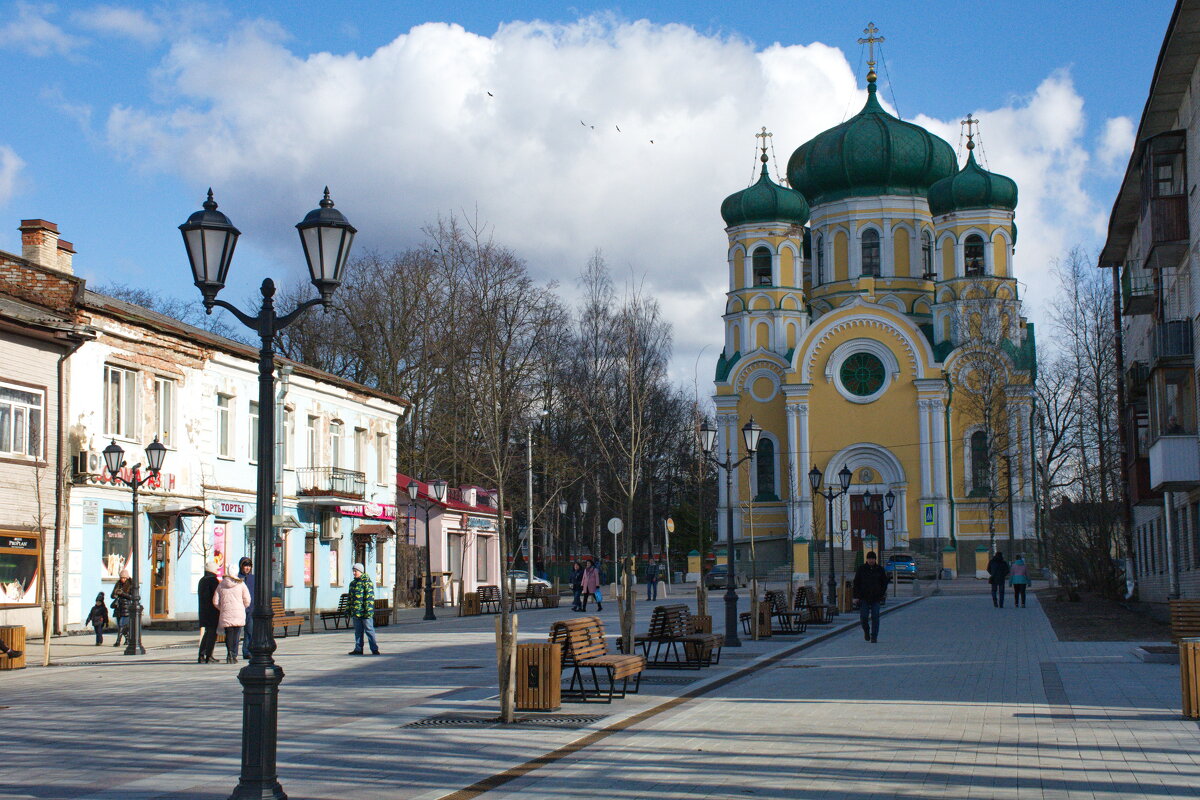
(330, 486)
(1175, 463)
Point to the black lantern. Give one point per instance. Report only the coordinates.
(582, 505)
(155, 453)
(814, 478)
(438, 487)
(413, 487)
(326, 235)
(889, 499)
(750, 433)
(844, 476)
(708, 437)
(209, 237)
(114, 458)
(562, 506)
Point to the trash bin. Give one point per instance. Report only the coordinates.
(539, 677)
(1189, 676)
(470, 604)
(13, 637)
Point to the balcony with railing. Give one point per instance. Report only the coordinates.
(1137, 379)
(330, 485)
(1137, 289)
(1164, 219)
(1173, 339)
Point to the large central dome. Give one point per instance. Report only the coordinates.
(872, 153)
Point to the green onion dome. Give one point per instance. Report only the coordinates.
(870, 154)
(765, 201)
(972, 187)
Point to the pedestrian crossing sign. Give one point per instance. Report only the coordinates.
(929, 514)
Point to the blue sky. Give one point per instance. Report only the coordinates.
(118, 116)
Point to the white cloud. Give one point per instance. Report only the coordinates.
(33, 32)
(410, 131)
(1116, 143)
(10, 168)
(119, 21)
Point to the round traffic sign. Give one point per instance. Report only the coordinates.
(615, 525)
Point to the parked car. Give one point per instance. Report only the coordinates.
(522, 578)
(902, 566)
(716, 578)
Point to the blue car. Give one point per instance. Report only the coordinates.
(902, 566)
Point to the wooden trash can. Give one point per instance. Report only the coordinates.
(470, 604)
(539, 677)
(1185, 619)
(13, 637)
(550, 600)
(701, 623)
(383, 613)
(764, 619)
(1189, 676)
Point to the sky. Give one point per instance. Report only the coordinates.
(562, 128)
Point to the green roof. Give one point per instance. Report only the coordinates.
(870, 154)
(765, 201)
(972, 187)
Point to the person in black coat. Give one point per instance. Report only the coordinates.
(997, 573)
(870, 590)
(208, 615)
(576, 585)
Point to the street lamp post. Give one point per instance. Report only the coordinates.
(210, 238)
(562, 513)
(574, 519)
(437, 490)
(814, 481)
(708, 439)
(114, 460)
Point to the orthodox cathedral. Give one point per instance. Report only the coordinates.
(873, 324)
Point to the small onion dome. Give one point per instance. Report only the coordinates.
(870, 154)
(972, 187)
(765, 201)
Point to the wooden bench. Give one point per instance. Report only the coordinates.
(1185, 619)
(677, 642)
(281, 619)
(341, 615)
(585, 648)
(817, 613)
(489, 595)
(532, 596)
(788, 621)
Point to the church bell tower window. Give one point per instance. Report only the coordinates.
(973, 254)
(927, 257)
(762, 267)
(870, 252)
(820, 261)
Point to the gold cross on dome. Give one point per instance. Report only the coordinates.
(871, 41)
(970, 122)
(764, 134)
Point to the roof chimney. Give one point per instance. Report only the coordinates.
(40, 244)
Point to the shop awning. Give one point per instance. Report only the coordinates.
(378, 530)
(285, 521)
(176, 510)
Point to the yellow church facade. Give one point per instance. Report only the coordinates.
(873, 323)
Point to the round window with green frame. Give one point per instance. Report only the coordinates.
(862, 374)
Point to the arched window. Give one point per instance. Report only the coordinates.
(927, 256)
(870, 252)
(820, 261)
(973, 254)
(980, 472)
(762, 267)
(764, 459)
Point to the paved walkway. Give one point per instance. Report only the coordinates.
(956, 700)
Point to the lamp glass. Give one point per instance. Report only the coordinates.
(326, 236)
(156, 453)
(413, 487)
(814, 478)
(583, 505)
(114, 457)
(562, 506)
(209, 238)
(708, 437)
(867, 497)
(750, 433)
(439, 490)
(890, 499)
(844, 475)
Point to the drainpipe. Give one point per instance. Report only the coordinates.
(1123, 438)
(60, 484)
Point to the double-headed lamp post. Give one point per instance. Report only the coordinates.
(437, 490)
(708, 440)
(210, 238)
(114, 460)
(830, 494)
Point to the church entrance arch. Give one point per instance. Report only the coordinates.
(877, 470)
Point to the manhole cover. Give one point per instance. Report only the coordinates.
(667, 680)
(558, 721)
(462, 666)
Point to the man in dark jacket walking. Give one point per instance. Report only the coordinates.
(997, 573)
(870, 589)
(246, 568)
(208, 614)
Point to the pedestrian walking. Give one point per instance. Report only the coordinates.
(870, 590)
(122, 605)
(362, 610)
(997, 571)
(207, 613)
(1018, 576)
(98, 618)
(591, 586)
(246, 572)
(231, 600)
(652, 580)
(576, 584)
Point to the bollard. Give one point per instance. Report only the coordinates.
(1189, 676)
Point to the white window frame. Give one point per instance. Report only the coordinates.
(224, 430)
(122, 424)
(360, 450)
(383, 459)
(287, 432)
(336, 431)
(164, 410)
(31, 412)
(252, 432)
(313, 440)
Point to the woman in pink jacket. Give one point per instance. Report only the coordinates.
(231, 599)
(591, 585)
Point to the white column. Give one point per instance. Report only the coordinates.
(793, 471)
(887, 259)
(923, 415)
(941, 490)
